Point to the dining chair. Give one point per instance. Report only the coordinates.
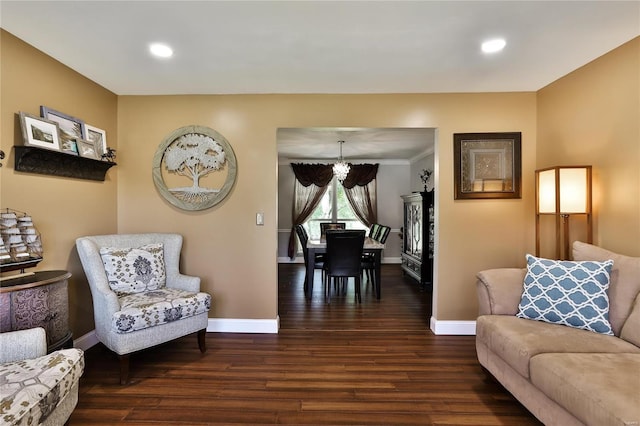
(318, 260)
(368, 261)
(343, 259)
(324, 226)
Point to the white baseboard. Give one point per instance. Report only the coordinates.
(215, 325)
(86, 341)
(298, 259)
(456, 328)
(233, 325)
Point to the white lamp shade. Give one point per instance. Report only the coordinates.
(573, 186)
(573, 190)
(547, 191)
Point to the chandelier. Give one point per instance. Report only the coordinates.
(340, 168)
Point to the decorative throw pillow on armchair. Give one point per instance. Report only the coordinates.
(566, 292)
(134, 270)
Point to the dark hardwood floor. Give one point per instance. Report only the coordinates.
(375, 363)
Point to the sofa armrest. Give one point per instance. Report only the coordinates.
(184, 282)
(500, 290)
(23, 344)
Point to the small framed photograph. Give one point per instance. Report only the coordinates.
(98, 136)
(70, 147)
(487, 165)
(87, 149)
(71, 128)
(39, 132)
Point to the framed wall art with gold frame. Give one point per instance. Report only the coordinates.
(487, 165)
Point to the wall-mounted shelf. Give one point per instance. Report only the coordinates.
(48, 162)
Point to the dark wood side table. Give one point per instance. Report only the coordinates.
(38, 300)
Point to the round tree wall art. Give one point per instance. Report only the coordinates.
(194, 168)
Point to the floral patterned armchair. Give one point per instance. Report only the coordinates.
(37, 388)
(140, 299)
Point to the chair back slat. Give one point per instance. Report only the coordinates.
(383, 234)
(374, 231)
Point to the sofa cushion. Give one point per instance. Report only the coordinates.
(625, 280)
(134, 270)
(517, 340)
(597, 388)
(569, 293)
(151, 308)
(33, 388)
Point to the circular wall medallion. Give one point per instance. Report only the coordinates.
(194, 168)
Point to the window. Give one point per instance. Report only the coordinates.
(334, 207)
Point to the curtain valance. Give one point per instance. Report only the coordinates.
(316, 174)
(360, 175)
(321, 174)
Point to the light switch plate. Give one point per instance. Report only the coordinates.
(260, 219)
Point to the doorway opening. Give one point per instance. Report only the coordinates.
(402, 155)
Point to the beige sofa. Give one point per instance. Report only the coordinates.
(563, 375)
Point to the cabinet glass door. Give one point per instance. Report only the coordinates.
(413, 232)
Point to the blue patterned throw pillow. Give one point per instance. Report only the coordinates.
(568, 293)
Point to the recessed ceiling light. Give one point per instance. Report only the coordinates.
(493, 46)
(160, 50)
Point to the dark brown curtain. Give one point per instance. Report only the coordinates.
(360, 174)
(316, 174)
(310, 185)
(360, 189)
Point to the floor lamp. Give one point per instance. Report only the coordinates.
(563, 191)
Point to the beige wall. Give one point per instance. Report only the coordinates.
(62, 208)
(591, 116)
(473, 235)
(237, 259)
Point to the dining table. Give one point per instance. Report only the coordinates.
(320, 246)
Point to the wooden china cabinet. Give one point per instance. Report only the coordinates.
(418, 237)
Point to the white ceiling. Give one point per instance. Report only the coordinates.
(322, 46)
(235, 47)
(380, 145)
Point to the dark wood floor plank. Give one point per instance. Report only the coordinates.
(376, 363)
(96, 415)
(177, 414)
(349, 418)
